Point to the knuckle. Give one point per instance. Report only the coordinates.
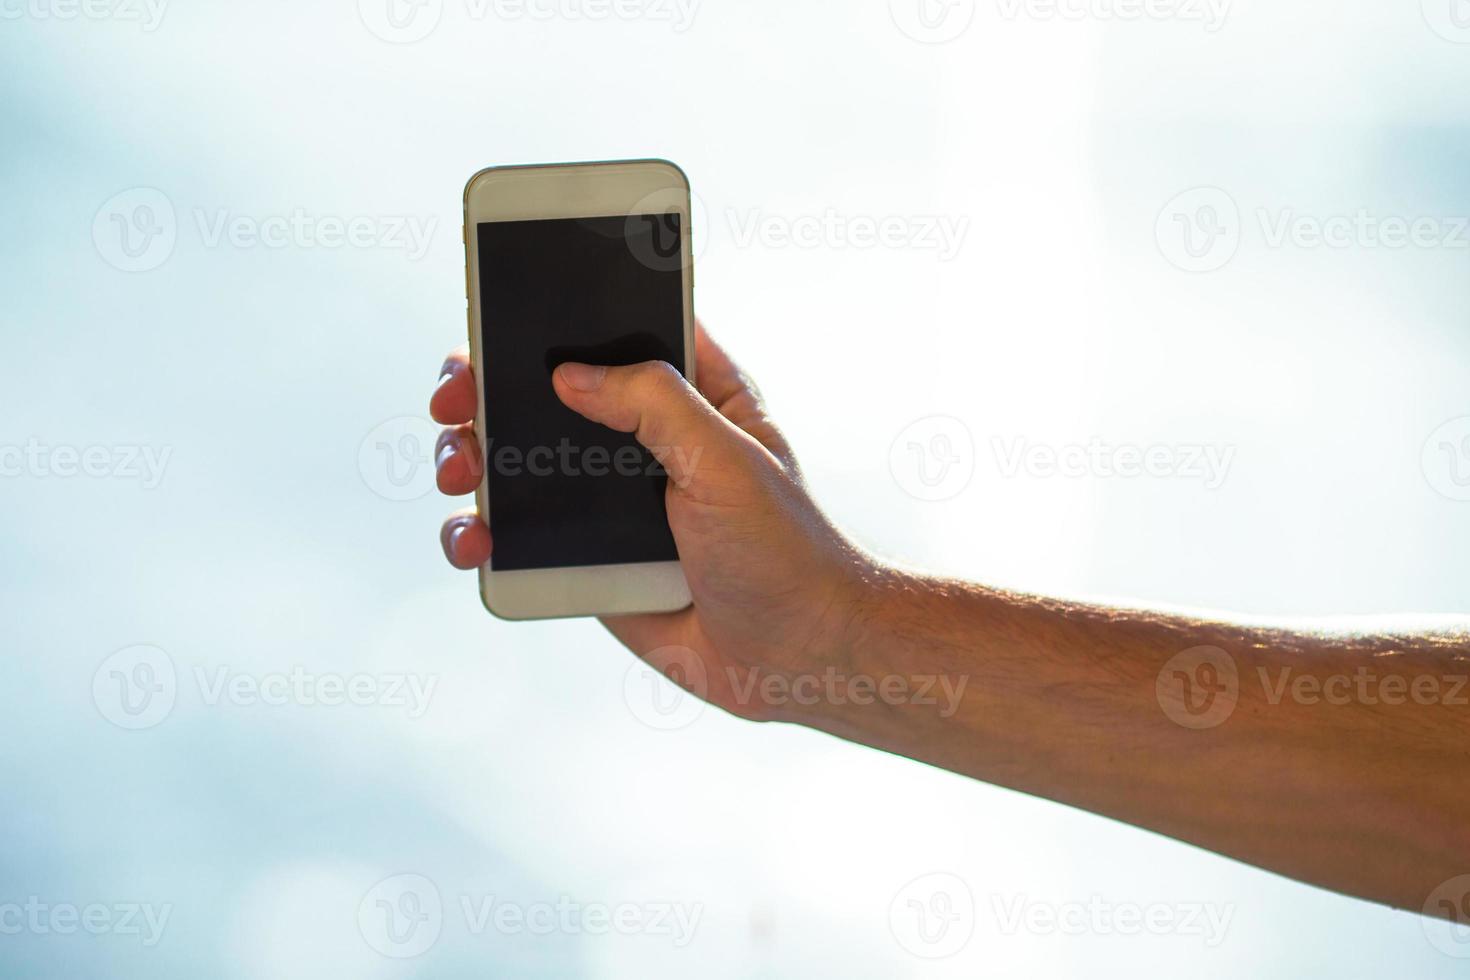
(658, 377)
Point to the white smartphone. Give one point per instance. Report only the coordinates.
(583, 262)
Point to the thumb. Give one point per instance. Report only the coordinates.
(653, 401)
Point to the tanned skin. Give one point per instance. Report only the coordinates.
(1335, 753)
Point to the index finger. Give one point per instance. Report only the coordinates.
(455, 400)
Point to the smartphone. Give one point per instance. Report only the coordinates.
(586, 262)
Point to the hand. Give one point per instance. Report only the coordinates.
(777, 589)
(1065, 700)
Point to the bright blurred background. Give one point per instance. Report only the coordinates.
(231, 248)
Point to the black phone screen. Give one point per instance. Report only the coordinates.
(565, 491)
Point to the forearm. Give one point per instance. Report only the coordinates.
(1341, 759)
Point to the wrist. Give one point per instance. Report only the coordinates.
(873, 664)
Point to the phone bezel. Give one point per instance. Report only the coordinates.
(574, 190)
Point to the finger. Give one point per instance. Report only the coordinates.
(457, 462)
(732, 392)
(465, 540)
(715, 373)
(455, 399)
(653, 401)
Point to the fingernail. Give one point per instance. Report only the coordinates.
(582, 377)
(454, 537)
(444, 456)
